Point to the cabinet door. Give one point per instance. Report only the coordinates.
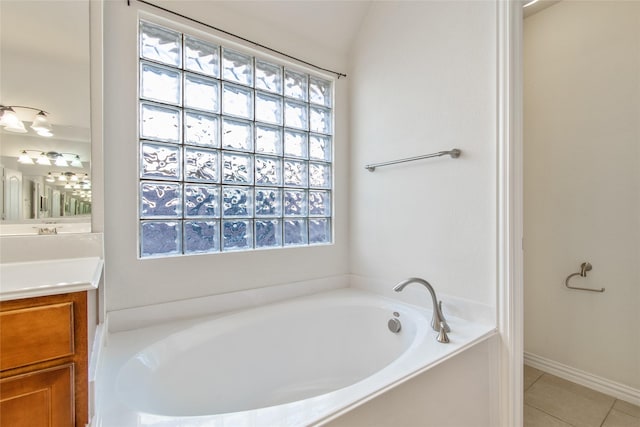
(38, 399)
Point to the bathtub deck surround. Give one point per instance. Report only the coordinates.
(187, 309)
(321, 376)
(145, 316)
(450, 305)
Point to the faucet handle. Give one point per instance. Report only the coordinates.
(442, 335)
(442, 320)
(441, 312)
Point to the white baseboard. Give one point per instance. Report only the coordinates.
(594, 382)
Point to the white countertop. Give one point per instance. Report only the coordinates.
(40, 278)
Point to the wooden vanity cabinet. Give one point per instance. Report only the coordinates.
(44, 361)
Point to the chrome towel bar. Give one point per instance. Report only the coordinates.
(584, 267)
(455, 153)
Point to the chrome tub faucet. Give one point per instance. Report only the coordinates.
(438, 322)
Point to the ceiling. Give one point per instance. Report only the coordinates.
(332, 24)
(537, 6)
(45, 59)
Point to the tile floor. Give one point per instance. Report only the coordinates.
(550, 401)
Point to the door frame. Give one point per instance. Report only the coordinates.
(510, 313)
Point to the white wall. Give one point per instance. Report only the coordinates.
(131, 282)
(423, 79)
(582, 186)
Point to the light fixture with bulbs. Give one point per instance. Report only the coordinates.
(11, 122)
(45, 159)
(69, 179)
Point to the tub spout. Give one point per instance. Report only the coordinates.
(438, 319)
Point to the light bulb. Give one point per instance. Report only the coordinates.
(25, 159)
(41, 125)
(60, 161)
(43, 160)
(76, 163)
(11, 122)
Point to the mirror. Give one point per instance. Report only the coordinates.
(45, 67)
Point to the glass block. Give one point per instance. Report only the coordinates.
(319, 203)
(201, 129)
(160, 44)
(295, 202)
(237, 168)
(296, 115)
(268, 233)
(320, 147)
(237, 134)
(201, 164)
(268, 139)
(237, 201)
(237, 235)
(295, 85)
(268, 108)
(237, 67)
(201, 57)
(319, 175)
(237, 101)
(160, 200)
(268, 171)
(268, 202)
(295, 173)
(159, 238)
(268, 77)
(295, 232)
(320, 120)
(160, 161)
(201, 201)
(201, 237)
(319, 230)
(160, 84)
(319, 91)
(159, 122)
(201, 93)
(295, 144)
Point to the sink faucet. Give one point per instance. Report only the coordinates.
(47, 230)
(438, 319)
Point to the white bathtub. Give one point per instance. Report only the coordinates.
(295, 363)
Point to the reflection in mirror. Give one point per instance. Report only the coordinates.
(45, 116)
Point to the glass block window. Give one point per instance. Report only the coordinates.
(235, 150)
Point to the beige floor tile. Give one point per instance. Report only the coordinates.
(627, 408)
(569, 402)
(620, 419)
(531, 375)
(536, 418)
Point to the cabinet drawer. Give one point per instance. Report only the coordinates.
(35, 334)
